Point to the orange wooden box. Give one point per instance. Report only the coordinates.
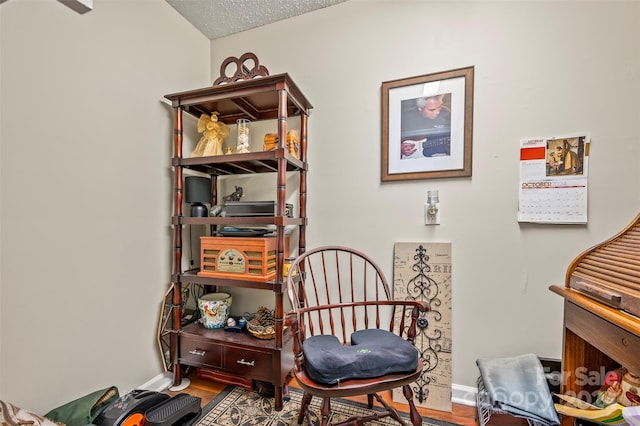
(240, 258)
(293, 142)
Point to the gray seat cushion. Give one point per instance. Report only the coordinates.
(372, 353)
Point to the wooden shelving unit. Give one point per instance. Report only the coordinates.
(239, 357)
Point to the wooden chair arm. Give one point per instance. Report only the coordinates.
(420, 305)
(291, 320)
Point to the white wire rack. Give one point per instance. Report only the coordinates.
(486, 408)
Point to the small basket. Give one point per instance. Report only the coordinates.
(261, 332)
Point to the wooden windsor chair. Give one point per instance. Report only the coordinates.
(349, 337)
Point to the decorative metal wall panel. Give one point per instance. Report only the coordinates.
(422, 271)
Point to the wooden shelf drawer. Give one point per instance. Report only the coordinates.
(237, 360)
(617, 343)
(248, 363)
(200, 353)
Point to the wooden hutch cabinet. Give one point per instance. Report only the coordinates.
(239, 358)
(601, 314)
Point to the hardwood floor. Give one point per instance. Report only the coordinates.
(461, 415)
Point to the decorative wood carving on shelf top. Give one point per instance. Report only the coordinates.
(243, 70)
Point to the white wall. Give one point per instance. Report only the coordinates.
(541, 69)
(86, 191)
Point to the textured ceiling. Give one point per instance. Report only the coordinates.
(219, 18)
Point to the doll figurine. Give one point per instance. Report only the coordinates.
(213, 132)
(609, 395)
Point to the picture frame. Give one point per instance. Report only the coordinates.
(427, 126)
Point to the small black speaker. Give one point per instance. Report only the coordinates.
(198, 192)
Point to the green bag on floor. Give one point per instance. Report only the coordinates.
(84, 410)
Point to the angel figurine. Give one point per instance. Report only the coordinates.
(214, 133)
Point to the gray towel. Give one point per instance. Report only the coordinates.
(518, 386)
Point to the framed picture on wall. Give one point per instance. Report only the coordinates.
(427, 124)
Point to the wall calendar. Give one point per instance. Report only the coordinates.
(553, 179)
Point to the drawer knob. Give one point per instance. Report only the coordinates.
(197, 352)
(250, 364)
(625, 341)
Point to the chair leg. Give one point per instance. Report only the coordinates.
(370, 400)
(416, 418)
(325, 411)
(304, 407)
(390, 411)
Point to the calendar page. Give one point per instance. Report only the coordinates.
(553, 180)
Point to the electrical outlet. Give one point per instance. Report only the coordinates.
(432, 208)
(432, 214)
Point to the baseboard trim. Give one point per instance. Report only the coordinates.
(159, 383)
(464, 395)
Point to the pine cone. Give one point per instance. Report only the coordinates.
(265, 317)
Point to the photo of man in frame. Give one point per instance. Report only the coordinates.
(425, 128)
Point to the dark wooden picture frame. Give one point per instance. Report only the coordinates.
(427, 126)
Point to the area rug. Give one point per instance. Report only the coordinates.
(235, 406)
